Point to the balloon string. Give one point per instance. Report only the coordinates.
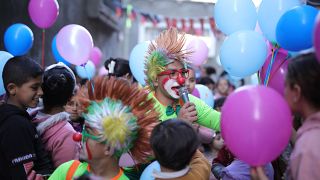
(274, 54)
(92, 86)
(276, 70)
(42, 49)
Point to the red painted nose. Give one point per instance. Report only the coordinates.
(77, 137)
(181, 80)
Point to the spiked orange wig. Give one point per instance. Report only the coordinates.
(167, 47)
(121, 114)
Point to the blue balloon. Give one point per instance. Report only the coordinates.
(55, 52)
(4, 58)
(137, 61)
(87, 71)
(206, 94)
(269, 14)
(18, 39)
(243, 53)
(147, 173)
(295, 28)
(235, 15)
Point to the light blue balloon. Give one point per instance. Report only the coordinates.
(87, 71)
(55, 52)
(147, 173)
(243, 53)
(137, 61)
(4, 58)
(269, 14)
(205, 94)
(18, 39)
(235, 15)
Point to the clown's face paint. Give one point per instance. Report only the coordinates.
(172, 87)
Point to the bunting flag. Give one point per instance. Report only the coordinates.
(167, 22)
(118, 11)
(183, 25)
(191, 28)
(132, 15)
(174, 22)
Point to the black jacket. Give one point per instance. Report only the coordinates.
(20, 145)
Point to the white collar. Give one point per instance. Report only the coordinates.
(170, 175)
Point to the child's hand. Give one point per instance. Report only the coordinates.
(188, 112)
(257, 173)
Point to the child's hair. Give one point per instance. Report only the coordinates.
(58, 86)
(19, 70)
(174, 142)
(304, 70)
(117, 67)
(219, 103)
(205, 81)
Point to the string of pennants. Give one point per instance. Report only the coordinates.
(183, 24)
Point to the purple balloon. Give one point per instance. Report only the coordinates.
(200, 51)
(278, 71)
(95, 55)
(43, 13)
(196, 92)
(74, 44)
(316, 40)
(256, 124)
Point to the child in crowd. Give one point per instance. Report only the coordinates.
(174, 143)
(22, 155)
(73, 108)
(302, 94)
(118, 119)
(207, 81)
(52, 120)
(222, 89)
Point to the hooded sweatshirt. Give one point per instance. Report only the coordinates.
(21, 151)
(56, 134)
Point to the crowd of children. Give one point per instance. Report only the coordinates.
(52, 127)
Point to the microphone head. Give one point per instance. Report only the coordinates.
(183, 93)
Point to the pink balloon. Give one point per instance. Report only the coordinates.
(278, 71)
(196, 92)
(316, 40)
(103, 71)
(43, 13)
(74, 44)
(95, 55)
(256, 124)
(200, 51)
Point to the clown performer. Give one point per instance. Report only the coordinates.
(119, 119)
(166, 71)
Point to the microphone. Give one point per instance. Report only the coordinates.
(183, 93)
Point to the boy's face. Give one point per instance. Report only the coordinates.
(28, 94)
(191, 81)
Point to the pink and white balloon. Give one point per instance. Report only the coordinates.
(74, 43)
(200, 51)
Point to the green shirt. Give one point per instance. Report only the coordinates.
(207, 116)
(62, 171)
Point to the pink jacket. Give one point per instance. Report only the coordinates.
(56, 134)
(305, 158)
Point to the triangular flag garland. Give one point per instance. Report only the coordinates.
(132, 14)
